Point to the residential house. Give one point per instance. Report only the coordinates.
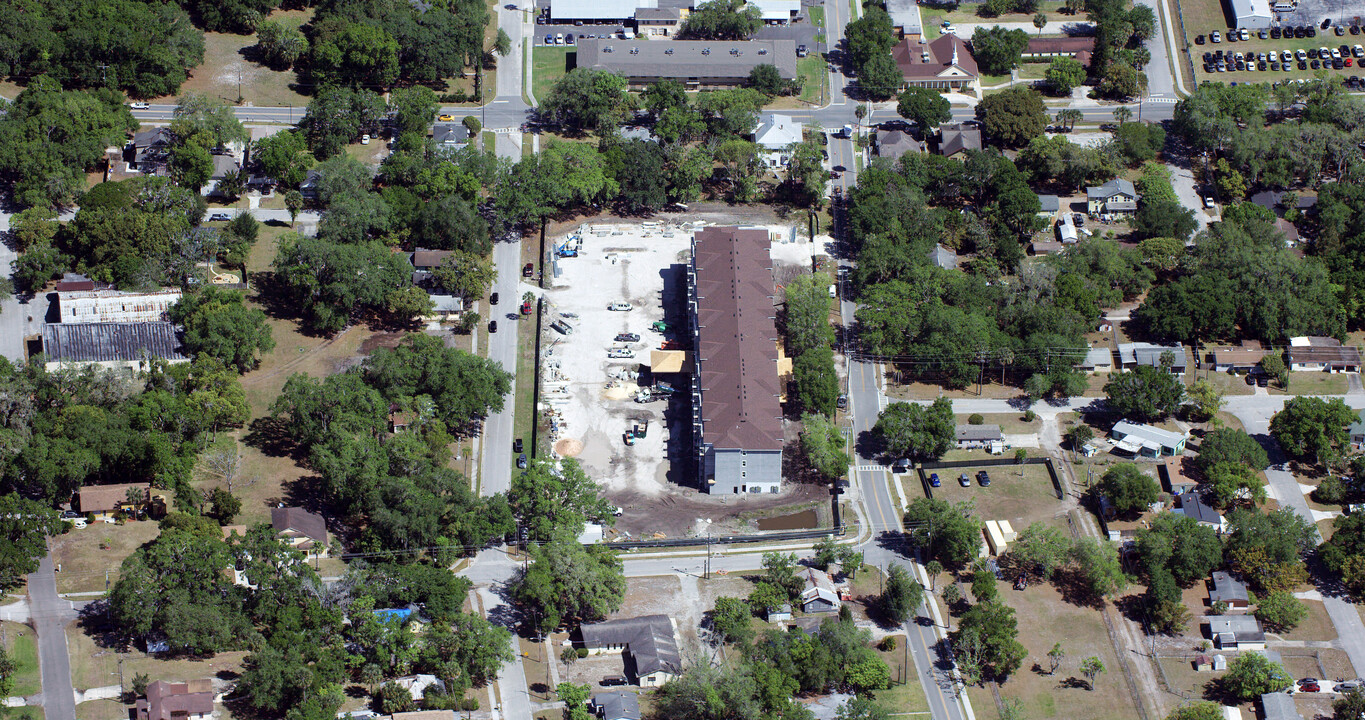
(1097, 360)
(1147, 440)
(1066, 231)
(303, 530)
(1046, 247)
(113, 345)
(1356, 431)
(1051, 47)
(776, 134)
(942, 64)
(1241, 359)
(978, 436)
(309, 187)
(905, 19)
(648, 643)
(424, 259)
(895, 143)
(1323, 354)
(1287, 229)
(223, 165)
(776, 12)
(1236, 632)
(1251, 14)
(1116, 197)
(1173, 477)
(176, 701)
(955, 139)
(450, 134)
(782, 613)
(1279, 706)
(1131, 355)
(149, 151)
(1227, 589)
(658, 22)
(942, 257)
(618, 705)
(109, 500)
(1049, 206)
(113, 306)
(737, 416)
(695, 63)
(1271, 200)
(820, 594)
(1194, 507)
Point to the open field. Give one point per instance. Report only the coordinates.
(550, 65)
(226, 73)
(906, 694)
(90, 558)
(1048, 619)
(95, 665)
(1021, 494)
(1314, 383)
(21, 643)
(102, 710)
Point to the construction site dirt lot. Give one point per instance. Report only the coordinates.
(590, 398)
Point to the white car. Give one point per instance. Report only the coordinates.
(139, 105)
(365, 139)
(1209, 203)
(621, 307)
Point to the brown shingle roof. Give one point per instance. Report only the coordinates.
(908, 56)
(295, 519)
(423, 258)
(1340, 355)
(167, 700)
(1049, 46)
(737, 339)
(102, 498)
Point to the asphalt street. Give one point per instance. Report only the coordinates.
(495, 473)
(15, 324)
(50, 614)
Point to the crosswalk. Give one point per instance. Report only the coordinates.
(872, 468)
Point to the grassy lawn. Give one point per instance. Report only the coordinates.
(817, 16)
(1049, 619)
(102, 710)
(1021, 494)
(25, 713)
(968, 14)
(550, 64)
(21, 642)
(989, 80)
(1229, 384)
(906, 694)
(87, 555)
(93, 665)
(1314, 383)
(226, 73)
(1011, 423)
(524, 411)
(814, 80)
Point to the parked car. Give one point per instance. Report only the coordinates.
(549, 39)
(445, 118)
(1355, 684)
(1198, 39)
(842, 402)
(934, 481)
(70, 515)
(219, 217)
(901, 466)
(528, 270)
(612, 680)
(1209, 203)
(963, 480)
(621, 307)
(139, 105)
(516, 445)
(627, 337)
(1310, 687)
(493, 299)
(983, 478)
(1215, 37)
(492, 326)
(365, 139)
(521, 461)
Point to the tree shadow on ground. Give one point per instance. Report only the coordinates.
(272, 437)
(1074, 589)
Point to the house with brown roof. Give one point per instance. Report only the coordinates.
(303, 530)
(176, 701)
(1240, 359)
(110, 500)
(737, 416)
(943, 64)
(424, 259)
(1323, 354)
(1041, 47)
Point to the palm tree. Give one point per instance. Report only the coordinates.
(1039, 21)
(1123, 114)
(1069, 117)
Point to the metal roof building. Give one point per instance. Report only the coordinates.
(1147, 440)
(109, 306)
(1250, 14)
(111, 345)
(570, 10)
(694, 62)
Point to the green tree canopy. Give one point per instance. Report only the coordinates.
(569, 582)
(1013, 116)
(925, 107)
(555, 502)
(586, 99)
(916, 431)
(722, 20)
(997, 49)
(1128, 489)
(219, 324)
(1312, 428)
(948, 532)
(1251, 675)
(1144, 393)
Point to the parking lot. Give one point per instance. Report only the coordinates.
(1022, 494)
(591, 397)
(1302, 30)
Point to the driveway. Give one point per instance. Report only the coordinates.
(1189, 196)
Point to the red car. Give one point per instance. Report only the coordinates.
(528, 270)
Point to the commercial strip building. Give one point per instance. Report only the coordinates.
(695, 63)
(736, 413)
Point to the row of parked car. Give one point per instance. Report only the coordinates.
(1334, 58)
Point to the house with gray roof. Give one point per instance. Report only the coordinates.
(695, 63)
(776, 134)
(1049, 205)
(1192, 505)
(820, 595)
(977, 436)
(618, 705)
(450, 134)
(957, 138)
(1097, 360)
(1132, 355)
(895, 143)
(942, 257)
(1228, 589)
(1236, 632)
(1279, 706)
(649, 645)
(659, 22)
(1116, 197)
(1139, 439)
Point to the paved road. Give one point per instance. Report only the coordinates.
(50, 614)
(495, 473)
(14, 315)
